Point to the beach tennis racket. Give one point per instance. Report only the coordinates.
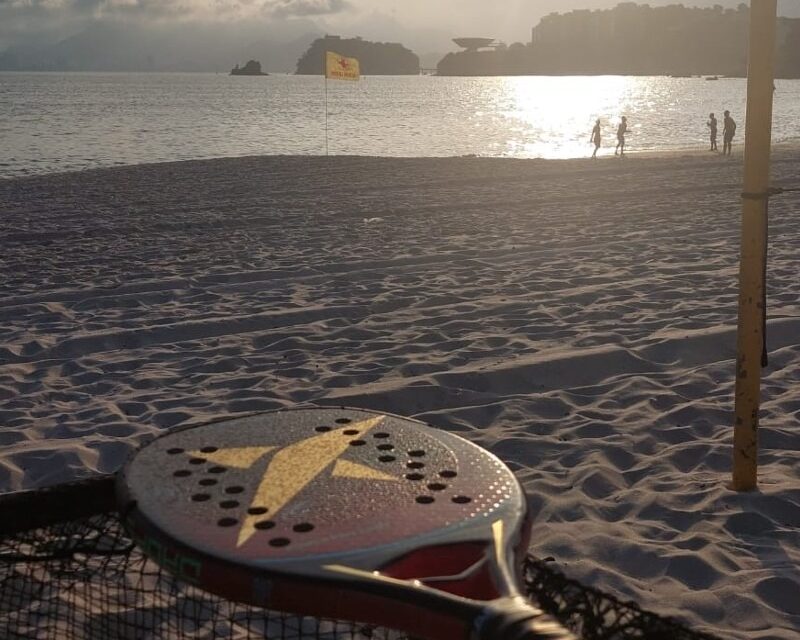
(339, 513)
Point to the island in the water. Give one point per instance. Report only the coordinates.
(630, 39)
(252, 68)
(374, 58)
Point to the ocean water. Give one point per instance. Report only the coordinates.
(51, 122)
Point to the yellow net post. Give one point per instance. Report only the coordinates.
(749, 343)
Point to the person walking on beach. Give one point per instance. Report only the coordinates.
(728, 131)
(712, 124)
(621, 129)
(596, 137)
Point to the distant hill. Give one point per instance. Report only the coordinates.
(251, 68)
(128, 47)
(375, 58)
(633, 39)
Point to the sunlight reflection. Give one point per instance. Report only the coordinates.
(553, 116)
(58, 122)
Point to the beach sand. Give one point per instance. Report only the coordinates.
(577, 318)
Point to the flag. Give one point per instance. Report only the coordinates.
(340, 68)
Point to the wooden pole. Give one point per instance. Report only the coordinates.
(326, 115)
(749, 342)
(325, 75)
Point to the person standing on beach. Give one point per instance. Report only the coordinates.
(596, 137)
(728, 131)
(712, 124)
(621, 129)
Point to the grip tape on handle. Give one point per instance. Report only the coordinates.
(516, 619)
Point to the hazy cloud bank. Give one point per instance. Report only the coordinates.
(422, 25)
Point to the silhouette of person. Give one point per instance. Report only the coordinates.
(728, 131)
(621, 129)
(596, 137)
(712, 125)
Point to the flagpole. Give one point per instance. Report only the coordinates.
(337, 67)
(749, 341)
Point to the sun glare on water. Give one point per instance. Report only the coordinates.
(553, 116)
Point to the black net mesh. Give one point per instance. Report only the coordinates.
(68, 570)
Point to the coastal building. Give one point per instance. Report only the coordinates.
(638, 39)
(630, 39)
(474, 44)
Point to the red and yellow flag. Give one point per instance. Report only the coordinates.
(340, 68)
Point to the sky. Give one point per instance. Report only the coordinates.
(419, 24)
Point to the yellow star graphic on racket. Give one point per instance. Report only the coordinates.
(294, 467)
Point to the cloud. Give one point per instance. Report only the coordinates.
(31, 20)
(295, 8)
(145, 9)
(154, 9)
(28, 21)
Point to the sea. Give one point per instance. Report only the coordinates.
(55, 122)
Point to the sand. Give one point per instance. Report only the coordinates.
(577, 318)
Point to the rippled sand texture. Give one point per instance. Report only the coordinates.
(577, 318)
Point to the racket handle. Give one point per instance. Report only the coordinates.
(516, 619)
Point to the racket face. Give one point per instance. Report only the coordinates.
(321, 494)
